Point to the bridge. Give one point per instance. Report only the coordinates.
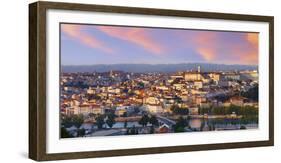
(165, 120)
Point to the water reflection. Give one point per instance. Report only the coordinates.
(195, 123)
(221, 124)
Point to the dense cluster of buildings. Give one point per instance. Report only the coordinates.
(155, 92)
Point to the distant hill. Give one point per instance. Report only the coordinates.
(205, 67)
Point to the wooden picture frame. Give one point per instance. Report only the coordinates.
(37, 79)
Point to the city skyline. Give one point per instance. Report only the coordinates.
(116, 103)
(96, 44)
(137, 80)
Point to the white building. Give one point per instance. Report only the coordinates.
(225, 83)
(154, 109)
(198, 84)
(120, 112)
(151, 100)
(90, 91)
(193, 110)
(97, 109)
(85, 109)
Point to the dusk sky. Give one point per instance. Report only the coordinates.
(95, 44)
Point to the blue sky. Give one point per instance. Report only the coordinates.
(97, 44)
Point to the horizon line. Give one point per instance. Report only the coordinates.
(160, 64)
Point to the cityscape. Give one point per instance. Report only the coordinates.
(112, 97)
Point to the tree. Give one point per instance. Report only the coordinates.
(202, 125)
(250, 111)
(152, 130)
(125, 124)
(181, 111)
(64, 133)
(110, 120)
(141, 84)
(100, 121)
(91, 115)
(252, 93)
(132, 131)
(243, 128)
(144, 120)
(81, 132)
(125, 114)
(76, 120)
(180, 125)
(153, 120)
(234, 108)
(218, 111)
(205, 110)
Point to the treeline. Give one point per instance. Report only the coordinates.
(239, 110)
(145, 119)
(252, 93)
(72, 120)
(180, 125)
(181, 111)
(78, 120)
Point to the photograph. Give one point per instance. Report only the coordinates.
(135, 80)
(116, 80)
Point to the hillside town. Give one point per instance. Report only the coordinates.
(125, 103)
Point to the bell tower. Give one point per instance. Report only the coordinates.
(198, 73)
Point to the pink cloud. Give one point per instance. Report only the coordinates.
(250, 53)
(206, 45)
(249, 56)
(213, 48)
(138, 36)
(252, 38)
(207, 53)
(76, 32)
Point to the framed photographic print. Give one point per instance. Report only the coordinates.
(112, 81)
